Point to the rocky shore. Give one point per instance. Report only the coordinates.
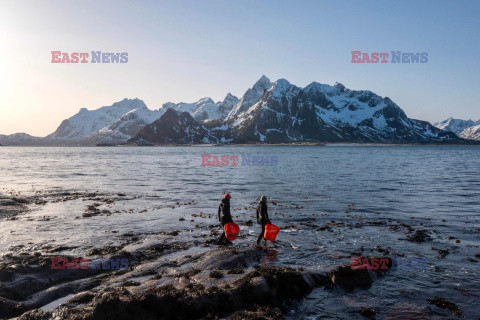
(208, 283)
(174, 279)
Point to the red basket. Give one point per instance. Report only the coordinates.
(271, 232)
(231, 231)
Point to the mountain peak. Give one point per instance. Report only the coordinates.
(262, 83)
(132, 103)
(205, 100)
(230, 96)
(281, 85)
(339, 85)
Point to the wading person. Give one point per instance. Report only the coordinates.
(225, 217)
(262, 216)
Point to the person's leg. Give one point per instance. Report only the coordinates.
(222, 236)
(260, 236)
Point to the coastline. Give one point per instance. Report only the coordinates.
(293, 144)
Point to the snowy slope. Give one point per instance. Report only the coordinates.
(251, 96)
(225, 106)
(121, 121)
(20, 139)
(456, 125)
(124, 128)
(472, 133)
(87, 122)
(204, 109)
(467, 129)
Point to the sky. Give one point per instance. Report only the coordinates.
(182, 51)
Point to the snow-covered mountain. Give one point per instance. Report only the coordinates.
(251, 96)
(174, 127)
(20, 139)
(124, 128)
(225, 106)
(268, 112)
(205, 109)
(471, 133)
(121, 121)
(467, 129)
(282, 112)
(88, 122)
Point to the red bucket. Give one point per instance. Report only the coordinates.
(231, 231)
(271, 232)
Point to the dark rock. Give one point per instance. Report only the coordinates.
(349, 278)
(36, 315)
(262, 313)
(419, 236)
(442, 252)
(447, 305)
(10, 308)
(216, 274)
(236, 271)
(367, 312)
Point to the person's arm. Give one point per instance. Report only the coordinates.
(219, 211)
(266, 214)
(257, 214)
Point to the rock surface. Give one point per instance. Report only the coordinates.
(182, 287)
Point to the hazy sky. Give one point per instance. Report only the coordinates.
(186, 50)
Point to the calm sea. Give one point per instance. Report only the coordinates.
(436, 188)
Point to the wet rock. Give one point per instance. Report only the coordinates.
(104, 251)
(36, 315)
(236, 271)
(229, 259)
(216, 274)
(442, 252)
(83, 297)
(349, 277)
(367, 312)
(52, 249)
(10, 308)
(262, 313)
(192, 293)
(447, 305)
(419, 236)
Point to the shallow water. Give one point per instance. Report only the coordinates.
(437, 186)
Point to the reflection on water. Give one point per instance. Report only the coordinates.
(269, 258)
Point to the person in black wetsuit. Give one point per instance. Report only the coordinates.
(262, 216)
(224, 216)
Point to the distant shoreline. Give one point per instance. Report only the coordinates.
(293, 144)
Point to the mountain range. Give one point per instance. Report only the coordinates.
(467, 129)
(268, 112)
